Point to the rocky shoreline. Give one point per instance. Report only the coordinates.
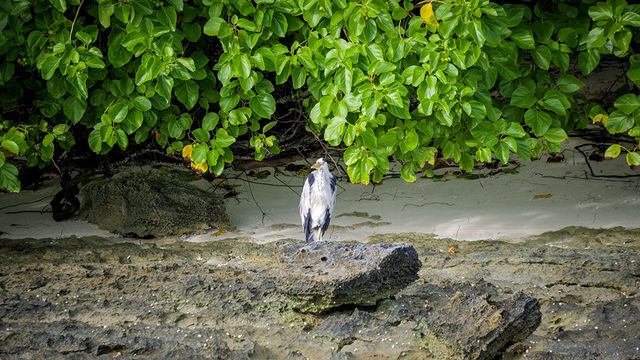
(95, 297)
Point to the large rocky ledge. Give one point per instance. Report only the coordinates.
(94, 297)
(324, 275)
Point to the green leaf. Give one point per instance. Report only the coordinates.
(411, 140)
(514, 129)
(10, 146)
(178, 4)
(166, 16)
(164, 85)
(483, 154)
(60, 129)
(230, 102)
(263, 105)
(9, 177)
(187, 93)
(523, 37)
(335, 129)
(142, 103)
(630, 18)
(132, 39)
(74, 108)
(538, 121)
(627, 103)
(95, 140)
(634, 73)
(476, 33)
(279, 24)
(613, 151)
(502, 152)
(556, 101)
(210, 121)
(212, 158)
(95, 62)
(619, 122)
(394, 98)
(122, 139)
(199, 153)
(298, 77)
(542, 56)
(601, 11)
(105, 10)
(588, 61)
(237, 117)
(212, 26)
(359, 172)
(223, 139)
(60, 5)
(521, 97)
(242, 65)
(79, 84)
(466, 162)
(201, 135)
(408, 171)
(380, 67)
(555, 135)
(118, 111)
(133, 121)
(485, 132)
(633, 158)
(595, 38)
(192, 31)
(543, 30)
(352, 155)
(49, 66)
(569, 83)
(478, 110)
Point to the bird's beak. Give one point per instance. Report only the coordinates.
(315, 166)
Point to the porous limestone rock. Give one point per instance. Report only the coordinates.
(322, 275)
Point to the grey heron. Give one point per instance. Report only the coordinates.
(317, 200)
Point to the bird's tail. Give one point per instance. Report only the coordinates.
(310, 235)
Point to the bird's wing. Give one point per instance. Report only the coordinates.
(333, 188)
(305, 206)
(332, 202)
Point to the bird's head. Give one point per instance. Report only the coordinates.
(318, 163)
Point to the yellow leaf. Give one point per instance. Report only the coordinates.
(600, 118)
(545, 196)
(218, 233)
(200, 168)
(451, 251)
(186, 152)
(426, 12)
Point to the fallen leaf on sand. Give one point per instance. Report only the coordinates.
(544, 196)
(219, 232)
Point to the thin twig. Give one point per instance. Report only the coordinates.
(254, 198)
(74, 20)
(285, 184)
(25, 203)
(586, 159)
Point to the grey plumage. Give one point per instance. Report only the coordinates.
(317, 201)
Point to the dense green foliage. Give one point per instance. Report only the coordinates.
(473, 80)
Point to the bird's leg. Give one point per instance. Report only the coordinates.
(319, 235)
